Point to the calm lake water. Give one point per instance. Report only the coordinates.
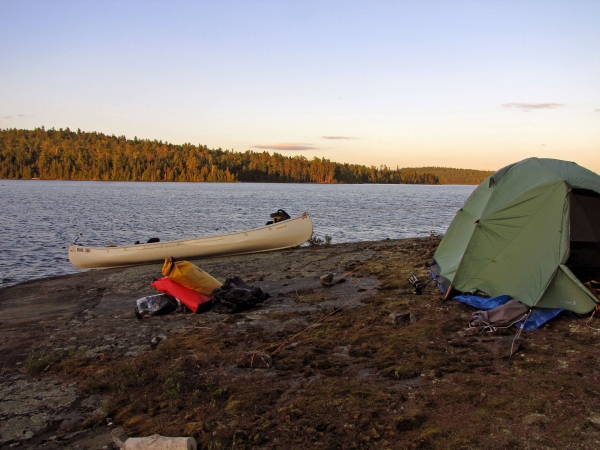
(40, 218)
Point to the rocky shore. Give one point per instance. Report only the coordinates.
(391, 369)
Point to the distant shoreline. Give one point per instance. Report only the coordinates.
(239, 182)
(69, 155)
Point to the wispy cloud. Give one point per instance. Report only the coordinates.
(338, 137)
(528, 106)
(18, 115)
(287, 147)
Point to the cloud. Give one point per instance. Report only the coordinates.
(287, 147)
(528, 106)
(338, 137)
(18, 115)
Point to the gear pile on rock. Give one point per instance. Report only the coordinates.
(187, 287)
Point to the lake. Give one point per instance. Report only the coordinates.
(40, 218)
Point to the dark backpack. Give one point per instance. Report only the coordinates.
(278, 217)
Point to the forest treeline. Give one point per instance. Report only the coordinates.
(68, 155)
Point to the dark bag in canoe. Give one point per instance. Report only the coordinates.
(278, 217)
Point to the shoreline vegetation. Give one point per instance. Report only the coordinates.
(68, 155)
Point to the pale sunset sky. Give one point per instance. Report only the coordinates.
(469, 84)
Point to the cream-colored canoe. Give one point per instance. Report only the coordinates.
(284, 234)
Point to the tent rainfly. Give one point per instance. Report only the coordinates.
(532, 231)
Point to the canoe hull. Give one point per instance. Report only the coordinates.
(285, 234)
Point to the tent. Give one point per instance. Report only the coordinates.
(532, 231)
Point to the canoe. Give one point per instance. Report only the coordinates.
(284, 234)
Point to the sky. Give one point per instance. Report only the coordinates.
(468, 84)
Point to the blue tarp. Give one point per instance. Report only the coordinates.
(538, 316)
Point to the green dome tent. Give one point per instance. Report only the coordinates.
(531, 231)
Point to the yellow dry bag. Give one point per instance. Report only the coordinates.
(191, 276)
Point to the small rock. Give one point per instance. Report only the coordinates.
(326, 280)
(595, 419)
(402, 318)
(255, 360)
(351, 265)
(392, 318)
